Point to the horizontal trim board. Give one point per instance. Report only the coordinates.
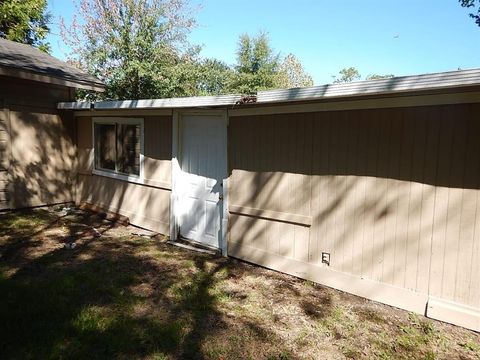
(271, 215)
(378, 103)
(180, 102)
(86, 105)
(27, 75)
(366, 288)
(164, 185)
(454, 313)
(142, 182)
(123, 112)
(167, 103)
(201, 112)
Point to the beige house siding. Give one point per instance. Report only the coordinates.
(5, 156)
(37, 151)
(391, 194)
(32, 93)
(146, 205)
(158, 149)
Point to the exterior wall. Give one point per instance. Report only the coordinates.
(391, 194)
(37, 152)
(4, 155)
(146, 205)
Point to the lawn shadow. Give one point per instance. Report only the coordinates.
(62, 304)
(120, 296)
(198, 303)
(77, 302)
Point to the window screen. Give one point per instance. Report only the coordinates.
(117, 147)
(128, 149)
(105, 146)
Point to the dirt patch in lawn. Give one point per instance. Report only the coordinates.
(118, 295)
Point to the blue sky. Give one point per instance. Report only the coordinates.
(376, 36)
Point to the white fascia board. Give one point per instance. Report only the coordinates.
(77, 105)
(195, 101)
(170, 103)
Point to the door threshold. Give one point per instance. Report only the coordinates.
(194, 246)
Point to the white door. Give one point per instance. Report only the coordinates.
(203, 166)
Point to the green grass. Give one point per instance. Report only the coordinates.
(55, 308)
(472, 345)
(23, 222)
(128, 297)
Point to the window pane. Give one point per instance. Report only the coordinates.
(105, 146)
(128, 147)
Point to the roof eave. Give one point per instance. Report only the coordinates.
(169, 103)
(451, 80)
(192, 102)
(399, 93)
(28, 75)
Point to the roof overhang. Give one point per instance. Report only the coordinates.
(450, 80)
(440, 88)
(169, 103)
(28, 75)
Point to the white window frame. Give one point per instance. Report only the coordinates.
(139, 179)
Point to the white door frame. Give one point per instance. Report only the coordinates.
(176, 175)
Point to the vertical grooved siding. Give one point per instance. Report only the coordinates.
(5, 156)
(158, 148)
(37, 153)
(145, 206)
(42, 155)
(393, 194)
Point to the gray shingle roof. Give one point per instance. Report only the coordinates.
(442, 80)
(27, 58)
(449, 80)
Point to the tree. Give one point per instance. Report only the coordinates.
(292, 73)
(257, 65)
(348, 75)
(378, 77)
(214, 77)
(139, 48)
(352, 74)
(25, 21)
(255, 54)
(474, 5)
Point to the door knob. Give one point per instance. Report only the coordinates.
(220, 197)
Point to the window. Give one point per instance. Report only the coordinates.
(118, 146)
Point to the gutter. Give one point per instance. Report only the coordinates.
(169, 103)
(452, 82)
